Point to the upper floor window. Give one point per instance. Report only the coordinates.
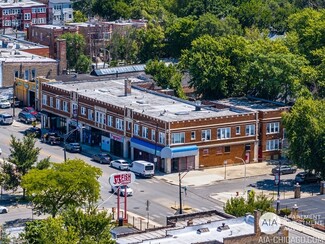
(193, 135)
(162, 138)
(145, 132)
(153, 135)
(238, 130)
(83, 111)
(136, 129)
(223, 133)
(65, 106)
(27, 16)
(51, 101)
(119, 124)
(178, 138)
(272, 145)
(90, 114)
(206, 135)
(44, 100)
(250, 130)
(100, 117)
(273, 127)
(110, 120)
(58, 104)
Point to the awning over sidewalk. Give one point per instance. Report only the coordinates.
(177, 152)
(146, 146)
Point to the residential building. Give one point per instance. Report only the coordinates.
(27, 66)
(21, 14)
(60, 12)
(136, 123)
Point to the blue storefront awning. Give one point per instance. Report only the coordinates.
(146, 146)
(177, 152)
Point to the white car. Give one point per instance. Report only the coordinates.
(5, 104)
(122, 190)
(3, 210)
(120, 164)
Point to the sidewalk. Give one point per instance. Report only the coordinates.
(213, 175)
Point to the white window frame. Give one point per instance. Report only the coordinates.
(206, 135)
(119, 124)
(90, 114)
(51, 102)
(273, 145)
(110, 120)
(162, 137)
(58, 104)
(136, 129)
(153, 135)
(145, 132)
(250, 130)
(27, 16)
(65, 106)
(237, 130)
(223, 133)
(100, 117)
(44, 99)
(178, 138)
(83, 111)
(272, 128)
(193, 135)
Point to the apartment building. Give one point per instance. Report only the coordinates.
(21, 14)
(60, 12)
(136, 123)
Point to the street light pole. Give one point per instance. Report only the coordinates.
(244, 171)
(278, 197)
(180, 177)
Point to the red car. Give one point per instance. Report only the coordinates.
(30, 110)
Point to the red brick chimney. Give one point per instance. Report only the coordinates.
(61, 55)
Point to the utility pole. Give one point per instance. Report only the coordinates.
(279, 182)
(180, 177)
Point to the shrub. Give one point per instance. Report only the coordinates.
(285, 212)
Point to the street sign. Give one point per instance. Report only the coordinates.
(276, 179)
(123, 178)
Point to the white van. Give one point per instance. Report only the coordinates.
(142, 168)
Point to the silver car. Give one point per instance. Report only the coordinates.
(120, 164)
(6, 119)
(3, 210)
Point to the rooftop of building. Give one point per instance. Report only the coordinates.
(51, 27)
(146, 102)
(14, 56)
(196, 233)
(59, 1)
(19, 4)
(251, 103)
(10, 42)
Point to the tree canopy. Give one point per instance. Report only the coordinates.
(71, 183)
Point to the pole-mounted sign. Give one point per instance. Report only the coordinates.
(122, 179)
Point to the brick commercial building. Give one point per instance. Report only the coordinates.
(27, 66)
(136, 123)
(21, 14)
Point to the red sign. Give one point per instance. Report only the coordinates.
(124, 178)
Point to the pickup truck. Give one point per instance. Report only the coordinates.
(51, 138)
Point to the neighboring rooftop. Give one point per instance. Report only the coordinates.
(10, 42)
(152, 104)
(19, 4)
(14, 56)
(250, 103)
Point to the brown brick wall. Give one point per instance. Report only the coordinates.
(46, 69)
(44, 51)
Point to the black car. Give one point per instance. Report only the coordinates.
(37, 132)
(284, 169)
(103, 158)
(51, 138)
(307, 177)
(27, 118)
(73, 147)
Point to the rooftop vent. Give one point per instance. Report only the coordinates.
(182, 113)
(142, 102)
(202, 230)
(223, 227)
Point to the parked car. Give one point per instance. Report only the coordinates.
(128, 189)
(103, 158)
(6, 119)
(37, 132)
(30, 110)
(15, 102)
(27, 118)
(4, 104)
(73, 147)
(120, 164)
(51, 138)
(307, 177)
(284, 169)
(3, 210)
(142, 168)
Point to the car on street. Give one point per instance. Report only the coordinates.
(6, 119)
(102, 158)
(37, 132)
(51, 138)
(123, 189)
(120, 164)
(3, 210)
(307, 177)
(27, 118)
(73, 147)
(284, 169)
(30, 110)
(4, 103)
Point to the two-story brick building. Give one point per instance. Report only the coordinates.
(136, 123)
(21, 14)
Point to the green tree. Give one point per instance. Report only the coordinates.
(75, 48)
(72, 183)
(83, 64)
(10, 178)
(78, 16)
(23, 154)
(305, 128)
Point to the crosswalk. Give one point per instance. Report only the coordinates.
(149, 181)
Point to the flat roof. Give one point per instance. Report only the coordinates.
(14, 56)
(22, 4)
(149, 103)
(251, 104)
(16, 43)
